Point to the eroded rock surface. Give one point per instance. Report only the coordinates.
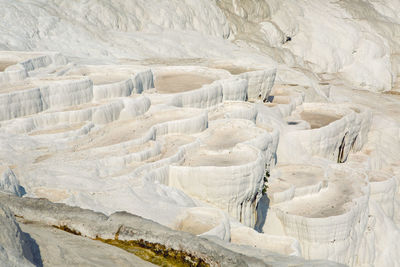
(40, 215)
(16, 247)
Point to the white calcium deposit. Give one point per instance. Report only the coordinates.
(262, 125)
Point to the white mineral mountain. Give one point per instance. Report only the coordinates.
(242, 132)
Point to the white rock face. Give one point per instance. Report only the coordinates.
(339, 38)
(222, 180)
(9, 183)
(332, 132)
(15, 246)
(249, 123)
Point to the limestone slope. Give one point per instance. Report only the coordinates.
(261, 129)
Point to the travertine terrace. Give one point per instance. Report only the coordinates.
(199, 133)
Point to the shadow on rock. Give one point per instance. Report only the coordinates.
(31, 250)
(262, 209)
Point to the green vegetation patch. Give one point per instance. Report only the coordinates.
(156, 253)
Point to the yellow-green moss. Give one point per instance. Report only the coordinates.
(156, 253)
(67, 229)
